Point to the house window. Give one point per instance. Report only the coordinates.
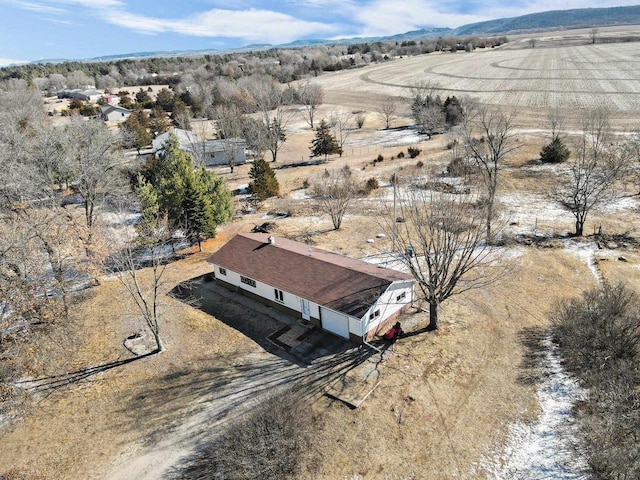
(223, 271)
(248, 281)
(401, 297)
(279, 295)
(374, 314)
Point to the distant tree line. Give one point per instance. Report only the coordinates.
(284, 64)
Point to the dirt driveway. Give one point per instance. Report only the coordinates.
(193, 406)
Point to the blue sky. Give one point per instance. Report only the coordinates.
(80, 29)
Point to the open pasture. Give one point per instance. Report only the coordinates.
(570, 77)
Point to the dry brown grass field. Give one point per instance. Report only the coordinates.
(446, 398)
(528, 80)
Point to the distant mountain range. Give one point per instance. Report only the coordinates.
(551, 20)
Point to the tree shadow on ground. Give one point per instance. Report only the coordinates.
(51, 383)
(194, 403)
(532, 339)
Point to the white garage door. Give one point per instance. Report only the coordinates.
(335, 322)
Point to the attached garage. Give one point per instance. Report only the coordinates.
(334, 322)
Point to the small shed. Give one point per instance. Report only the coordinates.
(347, 297)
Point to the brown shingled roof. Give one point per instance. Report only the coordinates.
(341, 283)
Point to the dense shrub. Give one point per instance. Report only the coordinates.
(458, 167)
(599, 339)
(419, 164)
(413, 152)
(267, 443)
(371, 184)
(401, 155)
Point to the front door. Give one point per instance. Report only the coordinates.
(305, 309)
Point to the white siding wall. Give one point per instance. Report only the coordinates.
(387, 304)
(267, 291)
(219, 158)
(356, 326)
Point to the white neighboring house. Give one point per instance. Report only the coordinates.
(186, 140)
(208, 153)
(214, 152)
(350, 298)
(114, 113)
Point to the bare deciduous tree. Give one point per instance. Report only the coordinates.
(427, 108)
(140, 265)
(442, 239)
(265, 132)
(268, 443)
(494, 143)
(334, 190)
(597, 167)
(341, 127)
(311, 97)
(388, 111)
(228, 123)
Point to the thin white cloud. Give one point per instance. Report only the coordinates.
(98, 4)
(57, 20)
(38, 7)
(250, 25)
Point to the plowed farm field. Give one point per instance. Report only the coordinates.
(569, 77)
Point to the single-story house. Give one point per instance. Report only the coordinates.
(214, 152)
(350, 298)
(114, 113)
(209, 152)
(88, 95)
(186, 140)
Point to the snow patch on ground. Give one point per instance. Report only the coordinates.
(301, 194)
(543, 449)
(586, 252)
(623, 204)
(393, 261)
(525, 209)
(391, 137)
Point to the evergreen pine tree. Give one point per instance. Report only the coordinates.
(555, 152)
(219, 195)
(199, 222)
(324, 142)
(149, 199)
(264, 183)
(193, 200)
